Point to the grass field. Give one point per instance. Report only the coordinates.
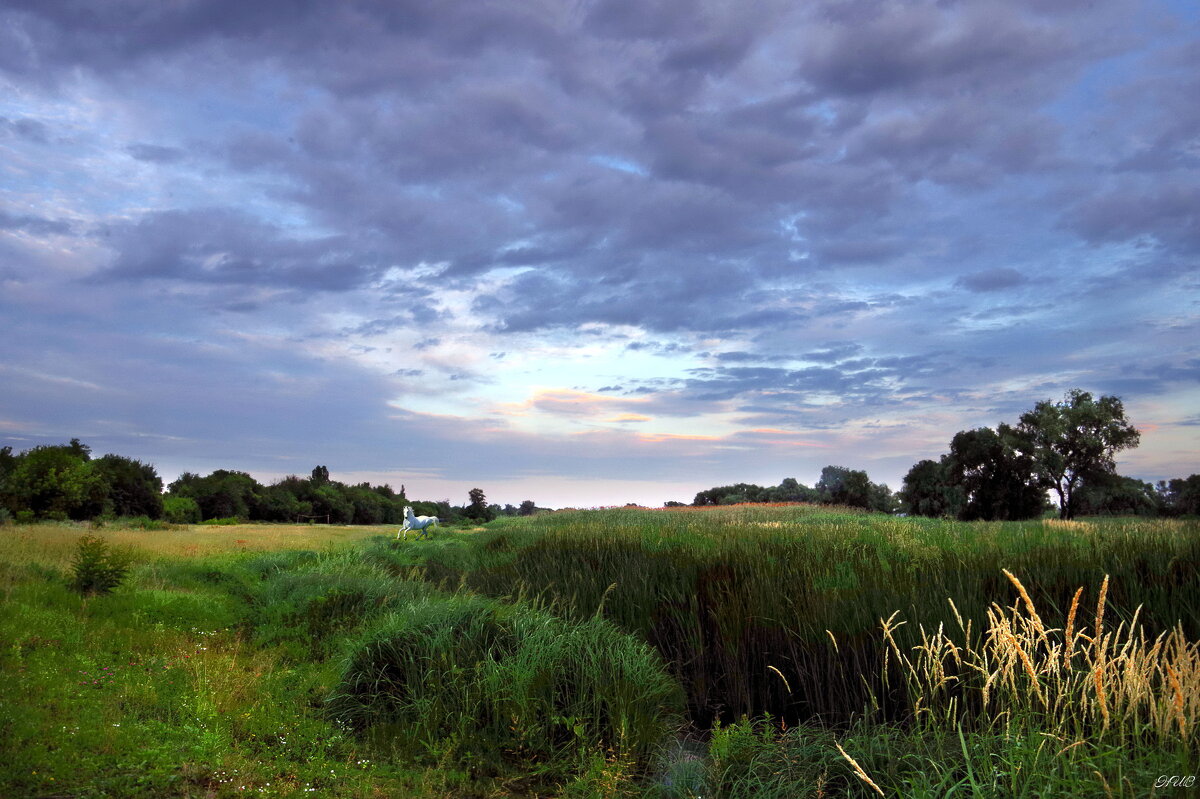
(734, 652)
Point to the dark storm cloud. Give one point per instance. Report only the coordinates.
(34, 225)
(997, 279)
(29, 129)
(1167, 211)
(497, 166)
(156, 153)
(219, 246)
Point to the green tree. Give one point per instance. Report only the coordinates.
(841, 486)
(995, 480)
(134, 488)
(791, 490)
(181, 510)
(1073, 439)
(220, 495)
(1180, 496)
(927, 490)
(330, 500)
(55, 481)
(527, 508)
(1115, 495)
(369, 507)
(477, 508)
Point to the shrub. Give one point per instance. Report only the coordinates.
(181, 510)
(315, 608)
(96, 568)
(26, 517)
(472, 679)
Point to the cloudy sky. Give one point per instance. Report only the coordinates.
(588, 252)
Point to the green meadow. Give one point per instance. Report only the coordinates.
(746, 651)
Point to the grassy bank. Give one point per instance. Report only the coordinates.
(740, 652)
(735, 598)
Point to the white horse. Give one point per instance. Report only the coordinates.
(418, 524)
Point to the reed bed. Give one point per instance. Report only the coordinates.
(734, 597)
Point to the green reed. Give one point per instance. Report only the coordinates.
(776, 609)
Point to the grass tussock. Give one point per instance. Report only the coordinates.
(471, 681)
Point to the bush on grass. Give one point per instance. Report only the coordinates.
(479, 681)
(96, 568)
(310, 610)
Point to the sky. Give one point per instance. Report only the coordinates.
(591, 253)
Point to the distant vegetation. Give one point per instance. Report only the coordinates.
(1005, 474)
(724, 652)
(837, 486)
(60, 483)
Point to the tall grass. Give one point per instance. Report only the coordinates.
(472, 681)
(1078, 681)
(520, 659)
(734, 598)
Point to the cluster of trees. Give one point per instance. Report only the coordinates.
(837, 486)
(1067, 448)
(65, 482)
(232, 494)
(1062, 449)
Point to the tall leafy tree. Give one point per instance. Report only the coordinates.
(477, 508)
(55, 481)
(222, 494)
(1071, 439)
(1115, 495)
(927, 490)
(134, 488)
(841, 486)
(994, 479)
(1180, 496)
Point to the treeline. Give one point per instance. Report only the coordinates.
(1063, 449)
(61, 482)
(837, 486)
(1066, 449)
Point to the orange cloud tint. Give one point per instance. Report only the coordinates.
(657, 438)
(568, 402)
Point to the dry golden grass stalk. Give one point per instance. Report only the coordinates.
(1178, 703)
(1098, 675)
(1117, 682)
(1100, 608)
(780, 673)
(859, 769)
(1068, 636)
(1033, 614)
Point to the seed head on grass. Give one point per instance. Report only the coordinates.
(1178, 701)
(862, 775)
(1100, 608)
(1068, 636)
(1033, 614)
